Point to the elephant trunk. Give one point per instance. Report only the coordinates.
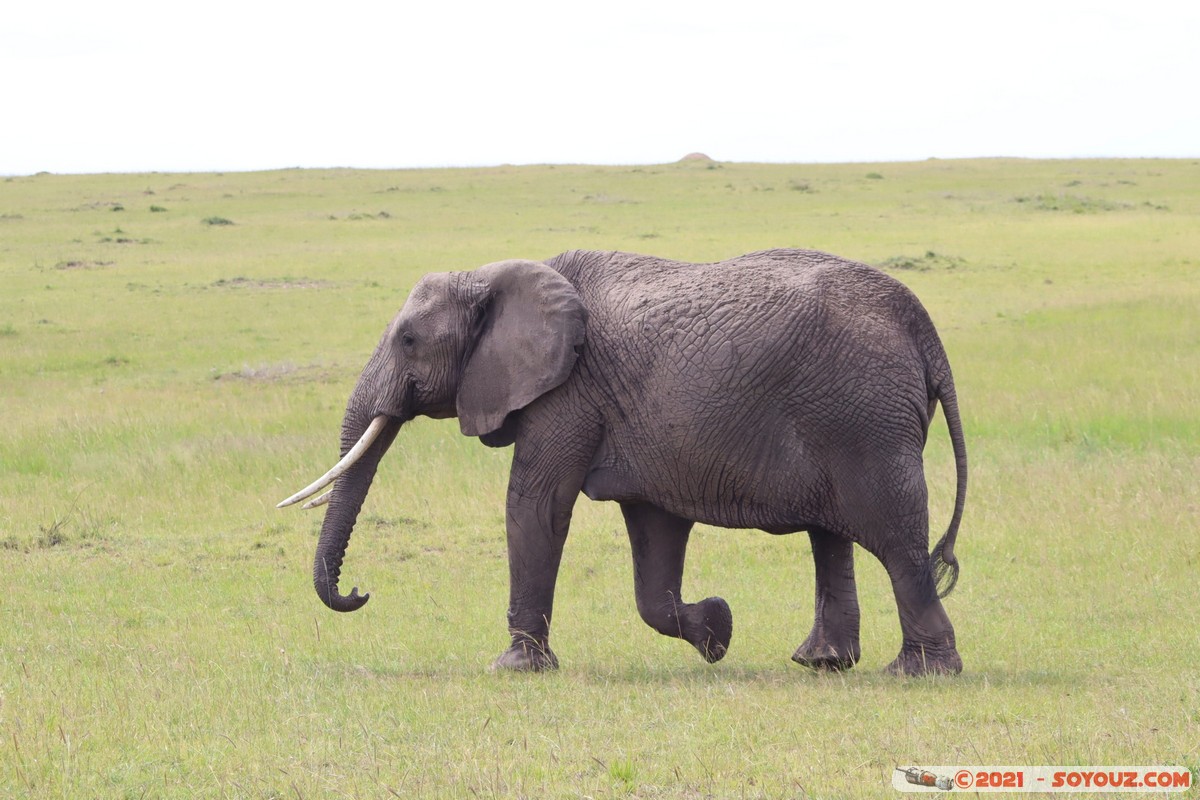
(345, 502)
(363, 445)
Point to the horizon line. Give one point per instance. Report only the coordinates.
(690, 159)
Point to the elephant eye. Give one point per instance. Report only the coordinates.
(407, 339)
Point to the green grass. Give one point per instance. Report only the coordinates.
(166, 381)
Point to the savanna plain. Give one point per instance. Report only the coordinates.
(175, 355)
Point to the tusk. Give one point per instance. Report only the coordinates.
(356, 452)
(318, 501)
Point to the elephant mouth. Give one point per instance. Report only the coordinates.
(352, 456)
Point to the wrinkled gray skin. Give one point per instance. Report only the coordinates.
(786, 390)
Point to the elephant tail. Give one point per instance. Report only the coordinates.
(942, 560)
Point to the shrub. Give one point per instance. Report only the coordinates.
(1070, 203)
(925, 263)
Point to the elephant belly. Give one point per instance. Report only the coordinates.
(778, 489)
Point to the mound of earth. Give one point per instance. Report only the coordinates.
(695, 157)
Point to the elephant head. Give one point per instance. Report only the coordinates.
(477, 345)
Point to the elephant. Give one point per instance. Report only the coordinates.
(784, 390)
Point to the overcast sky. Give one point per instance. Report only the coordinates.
(118, 85)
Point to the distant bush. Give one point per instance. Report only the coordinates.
(157, 209)
(52, 535)
(82, 264)
(1070, 203)
(216, 221)
(929, 261)
(874, 176)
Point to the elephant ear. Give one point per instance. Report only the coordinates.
(531, 322)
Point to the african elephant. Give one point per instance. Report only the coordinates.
(785, 390)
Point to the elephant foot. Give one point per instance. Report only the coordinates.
(526, 656)
(823, 656)
(926, 661)
(715, 628)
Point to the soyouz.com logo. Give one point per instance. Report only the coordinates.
(1042, 779)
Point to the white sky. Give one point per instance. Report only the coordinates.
(124, 85)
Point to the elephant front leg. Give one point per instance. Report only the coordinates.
(659, 543)
(552, 454)
(833, 642)
(537, 530)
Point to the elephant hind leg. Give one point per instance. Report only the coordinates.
(928, 646)
(886, 506)
(833, 642)
(659, 544)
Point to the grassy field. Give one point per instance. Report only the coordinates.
(175, 354)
